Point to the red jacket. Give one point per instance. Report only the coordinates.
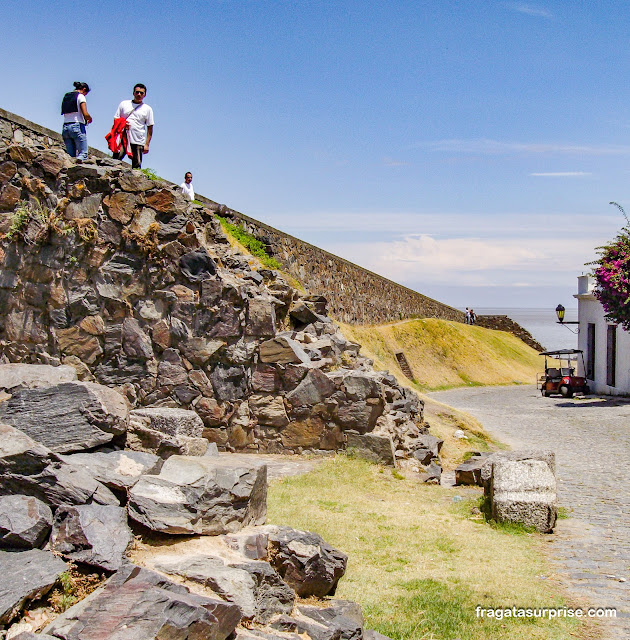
(117, 137)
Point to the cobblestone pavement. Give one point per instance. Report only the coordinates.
(591, 438)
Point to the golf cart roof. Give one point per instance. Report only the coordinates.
(561, 352)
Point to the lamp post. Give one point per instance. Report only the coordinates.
(560, 313)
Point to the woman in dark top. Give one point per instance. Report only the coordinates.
(76, 117)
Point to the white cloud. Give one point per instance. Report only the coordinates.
(497, 147)
(562, 174)
(473, 261)
(531, 10)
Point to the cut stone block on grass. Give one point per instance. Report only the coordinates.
(26, 576)
(372, 447)
(138, 604)
(524, 491)
(201, 495)
(67, 417)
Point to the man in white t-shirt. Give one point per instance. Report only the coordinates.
(139, 125)
(187, 187)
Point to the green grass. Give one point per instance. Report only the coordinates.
(150, 173)
(419, 562)
(252, 244)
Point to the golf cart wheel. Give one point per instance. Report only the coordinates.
(546, 393)
(565, 392)
(586, 390)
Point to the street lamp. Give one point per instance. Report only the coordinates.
(560, 313)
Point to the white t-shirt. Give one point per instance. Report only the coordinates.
(188, 189)
(138, 119)
(76, 116)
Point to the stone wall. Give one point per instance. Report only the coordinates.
(355, 295)
(504, 323)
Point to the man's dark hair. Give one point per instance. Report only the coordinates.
(135, 86)
(188, 173)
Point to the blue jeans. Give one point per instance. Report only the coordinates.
(75, 137)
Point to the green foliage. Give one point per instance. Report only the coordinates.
(150, 173)
(19, 221)
(397, 475)
(252, 244)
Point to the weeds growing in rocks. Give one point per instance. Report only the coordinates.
(253, 245)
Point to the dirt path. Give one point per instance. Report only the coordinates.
(591, 438)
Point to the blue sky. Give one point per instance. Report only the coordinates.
(466, 149)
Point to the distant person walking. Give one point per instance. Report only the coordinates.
(467, 315)
(187, 186)
(138, 127)
(473, 317)
(75, 118)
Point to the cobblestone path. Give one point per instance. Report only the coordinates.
(591, 438)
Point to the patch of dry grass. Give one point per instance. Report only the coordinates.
(444, 354)
(420, 562)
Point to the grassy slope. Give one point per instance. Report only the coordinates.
(420, 562)
(445, 354)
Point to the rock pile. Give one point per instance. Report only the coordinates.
(117, 276)
(65, 504)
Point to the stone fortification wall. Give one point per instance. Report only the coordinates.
(355, 295)
(504, 323)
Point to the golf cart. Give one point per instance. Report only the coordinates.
(559, 376)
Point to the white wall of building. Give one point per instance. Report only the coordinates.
(591, 311)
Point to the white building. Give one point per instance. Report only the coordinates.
(606, 345)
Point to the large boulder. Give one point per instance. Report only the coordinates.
(71, 416)
(26, 576)
(96, 535)
(118, 470)
(166, 431)
(233, 585)
(24, 522)
(32, 376)
(343, 615)
(272, 595)
(524, 491)
(305, 561)
(372, 447)
(29, 468)
(138, 604)
(201, 495)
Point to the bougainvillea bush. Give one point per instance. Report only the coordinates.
(612, 276)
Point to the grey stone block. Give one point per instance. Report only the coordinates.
(138, 604)
(524, 491)
(96, 535)
(26, 576)
(67, 417)
(372, 447)
(24, 522)
(204, 495)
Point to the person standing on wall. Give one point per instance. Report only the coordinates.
(187, 186)
(75, 118)
(139, 117)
